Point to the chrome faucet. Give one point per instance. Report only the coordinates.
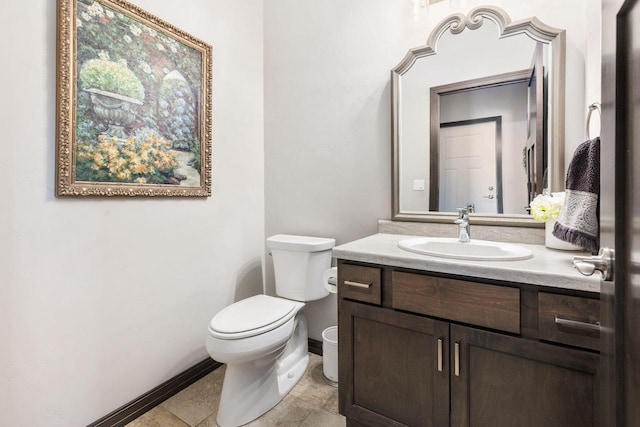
(463, 224)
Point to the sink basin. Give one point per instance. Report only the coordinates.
(479, 250)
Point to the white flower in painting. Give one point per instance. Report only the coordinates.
(135, 30)
(96, 10)
(175, 46)
(109, 14)
(160, 47)
(145, 67)
(127, 38)
(151, 32)
(104, 55)
(123, 62)
(85, 16)
(165, 70)
(78, 22)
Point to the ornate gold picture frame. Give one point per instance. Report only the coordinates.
(133, 104)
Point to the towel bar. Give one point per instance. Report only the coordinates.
(594, 106)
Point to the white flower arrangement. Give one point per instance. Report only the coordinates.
(545, 207)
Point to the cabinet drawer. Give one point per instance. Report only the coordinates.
(569, 320)
(360, 283)
(491, 306)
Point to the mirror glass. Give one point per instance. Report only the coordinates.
(476, 117)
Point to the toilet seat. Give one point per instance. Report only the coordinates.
(252, 316)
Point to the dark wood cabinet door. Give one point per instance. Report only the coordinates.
(398, 379)
(504, 381)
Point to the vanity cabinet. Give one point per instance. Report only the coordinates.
(418, 349)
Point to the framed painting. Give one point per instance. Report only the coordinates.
(133, 104)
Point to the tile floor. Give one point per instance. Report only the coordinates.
(311, 403)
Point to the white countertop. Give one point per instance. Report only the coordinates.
(548, 267)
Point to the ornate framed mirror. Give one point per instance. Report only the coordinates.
(478, 118)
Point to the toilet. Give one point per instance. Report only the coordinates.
(263, 339)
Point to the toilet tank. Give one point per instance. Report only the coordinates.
(298, 263)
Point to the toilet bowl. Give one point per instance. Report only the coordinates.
(257, 375)
(263, 339)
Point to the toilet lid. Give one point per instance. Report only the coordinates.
(253, 313)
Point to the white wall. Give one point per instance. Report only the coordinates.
(327, 107)
(327, 134)
(593, 60)
(103, 299)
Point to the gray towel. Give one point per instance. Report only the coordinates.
(578, 222)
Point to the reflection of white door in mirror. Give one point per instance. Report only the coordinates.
(468, 166)
(501, 98)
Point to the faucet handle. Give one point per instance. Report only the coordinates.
(462, 212)
(471, 207)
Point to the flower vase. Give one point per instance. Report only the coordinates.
(553, 242)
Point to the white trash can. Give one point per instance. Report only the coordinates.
(330, 355)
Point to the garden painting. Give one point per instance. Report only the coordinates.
(139, 113)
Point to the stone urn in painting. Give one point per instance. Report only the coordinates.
(114, 109)
(115, 93)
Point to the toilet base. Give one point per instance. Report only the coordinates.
(252, 388)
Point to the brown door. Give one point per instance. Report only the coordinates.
(620, 211)
(503, 381)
